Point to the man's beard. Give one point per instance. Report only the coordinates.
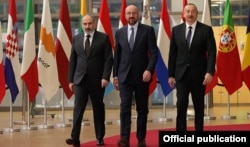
(132, 21)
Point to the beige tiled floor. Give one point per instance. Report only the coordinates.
(48, 137)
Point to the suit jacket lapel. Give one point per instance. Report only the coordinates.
(183, 34)
(196, 34)
(80, 42)
(125, 31)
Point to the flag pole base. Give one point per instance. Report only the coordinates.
(62, 125)
(150, 120)
(209, 117)
(164, 119)
(108, 123)
(118, 121)
(85, 123)
(134, 117)
(28, 128)
(248, 115)
(84, 119)
(6, 130)
(45, 127)
(22, 123)
(190, 117)
(228, 117)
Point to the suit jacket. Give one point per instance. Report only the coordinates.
(142, 57)
(97, 65)
(200, 57)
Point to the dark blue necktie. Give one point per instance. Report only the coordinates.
(131, 39)
(188, 39)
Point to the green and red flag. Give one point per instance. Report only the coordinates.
(228, 59)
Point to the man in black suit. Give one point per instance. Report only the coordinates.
(191, 65)
(134, 63)
(89, 74)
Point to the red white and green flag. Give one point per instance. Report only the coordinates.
(29, 73)
(122, 20)
(104, 25)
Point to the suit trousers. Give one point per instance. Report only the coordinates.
(190, 84)
(130, 90)
(83, 91)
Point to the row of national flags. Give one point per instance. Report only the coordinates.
(50, 68)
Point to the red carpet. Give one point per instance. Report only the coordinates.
(152, 135)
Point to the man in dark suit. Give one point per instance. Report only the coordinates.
(134, 62)
(191, 65)
(89, 73)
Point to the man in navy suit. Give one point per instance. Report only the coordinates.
(134, 63)
(191, 65)
(89, 73)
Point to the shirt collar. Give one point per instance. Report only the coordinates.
(193, 25)
(91, 34)
(134, 26)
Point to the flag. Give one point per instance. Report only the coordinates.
(184, 3)
(206, 19)
(163, 41)
(47, 70)
(2, 77)
(63, 47)
(246, 60)
(147, 20)
(29, 72)
(123, 21)
(104, 25)
(83, 12)
(228, 59)
(12, 65)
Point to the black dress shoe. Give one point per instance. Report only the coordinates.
(75, 143)
(123, 143)
(142, 143)
(99, 142)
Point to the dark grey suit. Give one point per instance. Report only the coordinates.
(188, 66)
(129, 66)
(86, 73)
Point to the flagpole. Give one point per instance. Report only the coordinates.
(24, 101)
(164, 118)
(11, 129)
(45, 125)
(63, 124)
(228, 116)
(207, 116)
(28, 127)
(24, 95)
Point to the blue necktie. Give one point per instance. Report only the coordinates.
(188, 39)
(131, 39)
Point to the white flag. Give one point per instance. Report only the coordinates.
(47, 67)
